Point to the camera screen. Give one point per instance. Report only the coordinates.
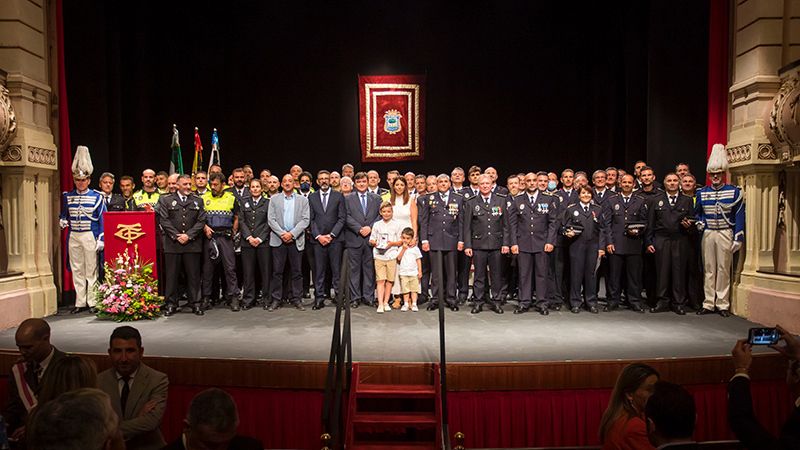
(763, 336)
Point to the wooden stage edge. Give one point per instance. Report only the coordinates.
(460, 376)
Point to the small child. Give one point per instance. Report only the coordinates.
(410, 260)
(385, 240)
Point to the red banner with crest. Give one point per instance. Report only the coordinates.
(130, 231)
(392, 117)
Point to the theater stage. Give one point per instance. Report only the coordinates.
(291, 335)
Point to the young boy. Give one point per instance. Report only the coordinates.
(385, 240)
(410, 260)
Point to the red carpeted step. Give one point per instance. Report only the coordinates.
(394, 446)
(396, 390)
(393, 418)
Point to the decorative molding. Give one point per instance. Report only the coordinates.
(12, 153)
(38, 155)
(8, 120)
(767, 152)
(740, 153)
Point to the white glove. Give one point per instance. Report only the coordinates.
(100, 246)
(700, 225)
(63, 223)
(736, 246)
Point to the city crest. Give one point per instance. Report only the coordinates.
(391, 121)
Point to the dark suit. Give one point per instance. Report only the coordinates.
(327, 220)
(583, 252)
(532, 225)
(362, 266)
(116, 202)
(559, 258)
(140, 432)
(627, 248)
(671, 241)
(182, 217)
(15, 412)
(237, 443)
(464, 262)
(745, 426)
(253, 221)
(441, 226)
(485, 232)
(499, 190)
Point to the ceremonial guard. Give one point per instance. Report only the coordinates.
(182, 218)
(82, 213)
(584, 225)
(533, 224)
(441, 230)
(720, 214)
(626, 219)
(222, 222)
(254, 228)
(486, 239)
(670, 217)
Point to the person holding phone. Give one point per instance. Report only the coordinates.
(741, 417)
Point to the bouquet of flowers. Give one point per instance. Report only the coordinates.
(128, 290)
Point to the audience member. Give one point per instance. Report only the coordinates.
(671, 416)
(622, 425)
(67, 374)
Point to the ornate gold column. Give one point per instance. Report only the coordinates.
(28, 164)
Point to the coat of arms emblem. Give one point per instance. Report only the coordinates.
(391, 121)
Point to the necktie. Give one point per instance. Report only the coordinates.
(126, 390)
(672, 200)
(108, 200)
(627, 199)
(600, 196)
(443, 197)
(183, 199)
(586, 209)
(324, 201)
(486, 202)
(364, 203)
(32, 375)
(532, 199)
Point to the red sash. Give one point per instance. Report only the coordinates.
(25, 393)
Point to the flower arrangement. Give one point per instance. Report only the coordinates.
(128, 290)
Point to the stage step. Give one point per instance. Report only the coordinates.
(396, 390)
(394, 418)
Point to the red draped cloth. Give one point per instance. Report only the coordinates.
(718, 78)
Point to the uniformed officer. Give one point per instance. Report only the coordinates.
(255, 243)
(626, 219)
(583, 224)
(559, 258)
(441, 228)
(221, 224)
(465, 262)
(182, 217)
(486, 239)
(533, 224)
(670, 216)
(146, 198)
(421, 197)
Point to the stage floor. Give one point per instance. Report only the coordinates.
(291, 335)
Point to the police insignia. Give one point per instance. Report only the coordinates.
(661, 203)
(208, 202)
(477, 207)
(174, 203)
(616, 207)
(576, 213)
(521, 207)
(246, 204)
(391, 121)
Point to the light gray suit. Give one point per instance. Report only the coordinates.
(291, 251)
(140, 433)
(302, 218)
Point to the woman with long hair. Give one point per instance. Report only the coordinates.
(405, 212)
(622, 425)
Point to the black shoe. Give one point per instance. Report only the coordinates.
(520, 310)
(274, 305)
(299, 306)
(235, 307)
(724, 313)
(593, 310)
(610, 307)
(575, 310)
(432, 307)
(198, 311)
(556, 307)
(169, 310)
(462, 300)
(679, 310)
(659, 309)
(354, 305)
(544, 311)
(476, 309)
(306, 294)
(497, 309)
(704, 311)
(318, 305)
(454, 307)
(79, 309)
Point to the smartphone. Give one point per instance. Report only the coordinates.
(763, 336)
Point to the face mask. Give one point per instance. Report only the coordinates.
(551, 185)
(305, 187)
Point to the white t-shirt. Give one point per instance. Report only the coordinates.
(383, 233)
(408, 263)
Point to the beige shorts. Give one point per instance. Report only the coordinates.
(385, 270)
(409, 284)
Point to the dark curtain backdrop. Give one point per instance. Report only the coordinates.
(519, 85)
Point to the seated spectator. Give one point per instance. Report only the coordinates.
(67, 374)
(138, 393)
(671, 416)
(211, 422)
(741, 417)
(82, 419)
(622, 425)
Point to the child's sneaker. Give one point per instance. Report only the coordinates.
(414, 307)
(404, 308)
(387, 308)
(380, 310)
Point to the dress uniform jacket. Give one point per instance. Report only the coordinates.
(671, 242)
(533, 225)
(486, 226)
(664, 221)
(181, 217)
(583, 251)
(601, 199)
(442, 224)
(253, 220)
(618, 215)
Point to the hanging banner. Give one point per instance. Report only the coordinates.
(392, 117)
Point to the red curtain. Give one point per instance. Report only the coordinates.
(64, 153)
(718, 80)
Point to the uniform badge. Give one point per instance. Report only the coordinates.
(521, 207)
(508, 204)
(616, 207)
(477, 207)
(196, 205)
(661, 203)
(452, 209)
(391, 121)
(208, 202)
(174, 203)
(576, 213)
(246, 204)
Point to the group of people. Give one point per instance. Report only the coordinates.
(546, 240)
(59, 401)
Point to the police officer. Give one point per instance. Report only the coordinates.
(441, 230)
(583, 224)
(533, 224)
(559, 258)
(465, 262)
(146, 198)
(486, 239)
(222, 222)
(255, 242)
(670, 216)
(626, 218)
(182, 217)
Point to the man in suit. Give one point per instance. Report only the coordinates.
(532, 228)
(741, 417)
(114, 202)
(255, 231)
(363, 210)
(327, 224)
(425, 283)
(182, 218)
(138, 393)
(441, 229)
(211, 422)
(373, 183)
(626, 217)
(28, 374)
(288, 218)
(486, 239)
(670, 415)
